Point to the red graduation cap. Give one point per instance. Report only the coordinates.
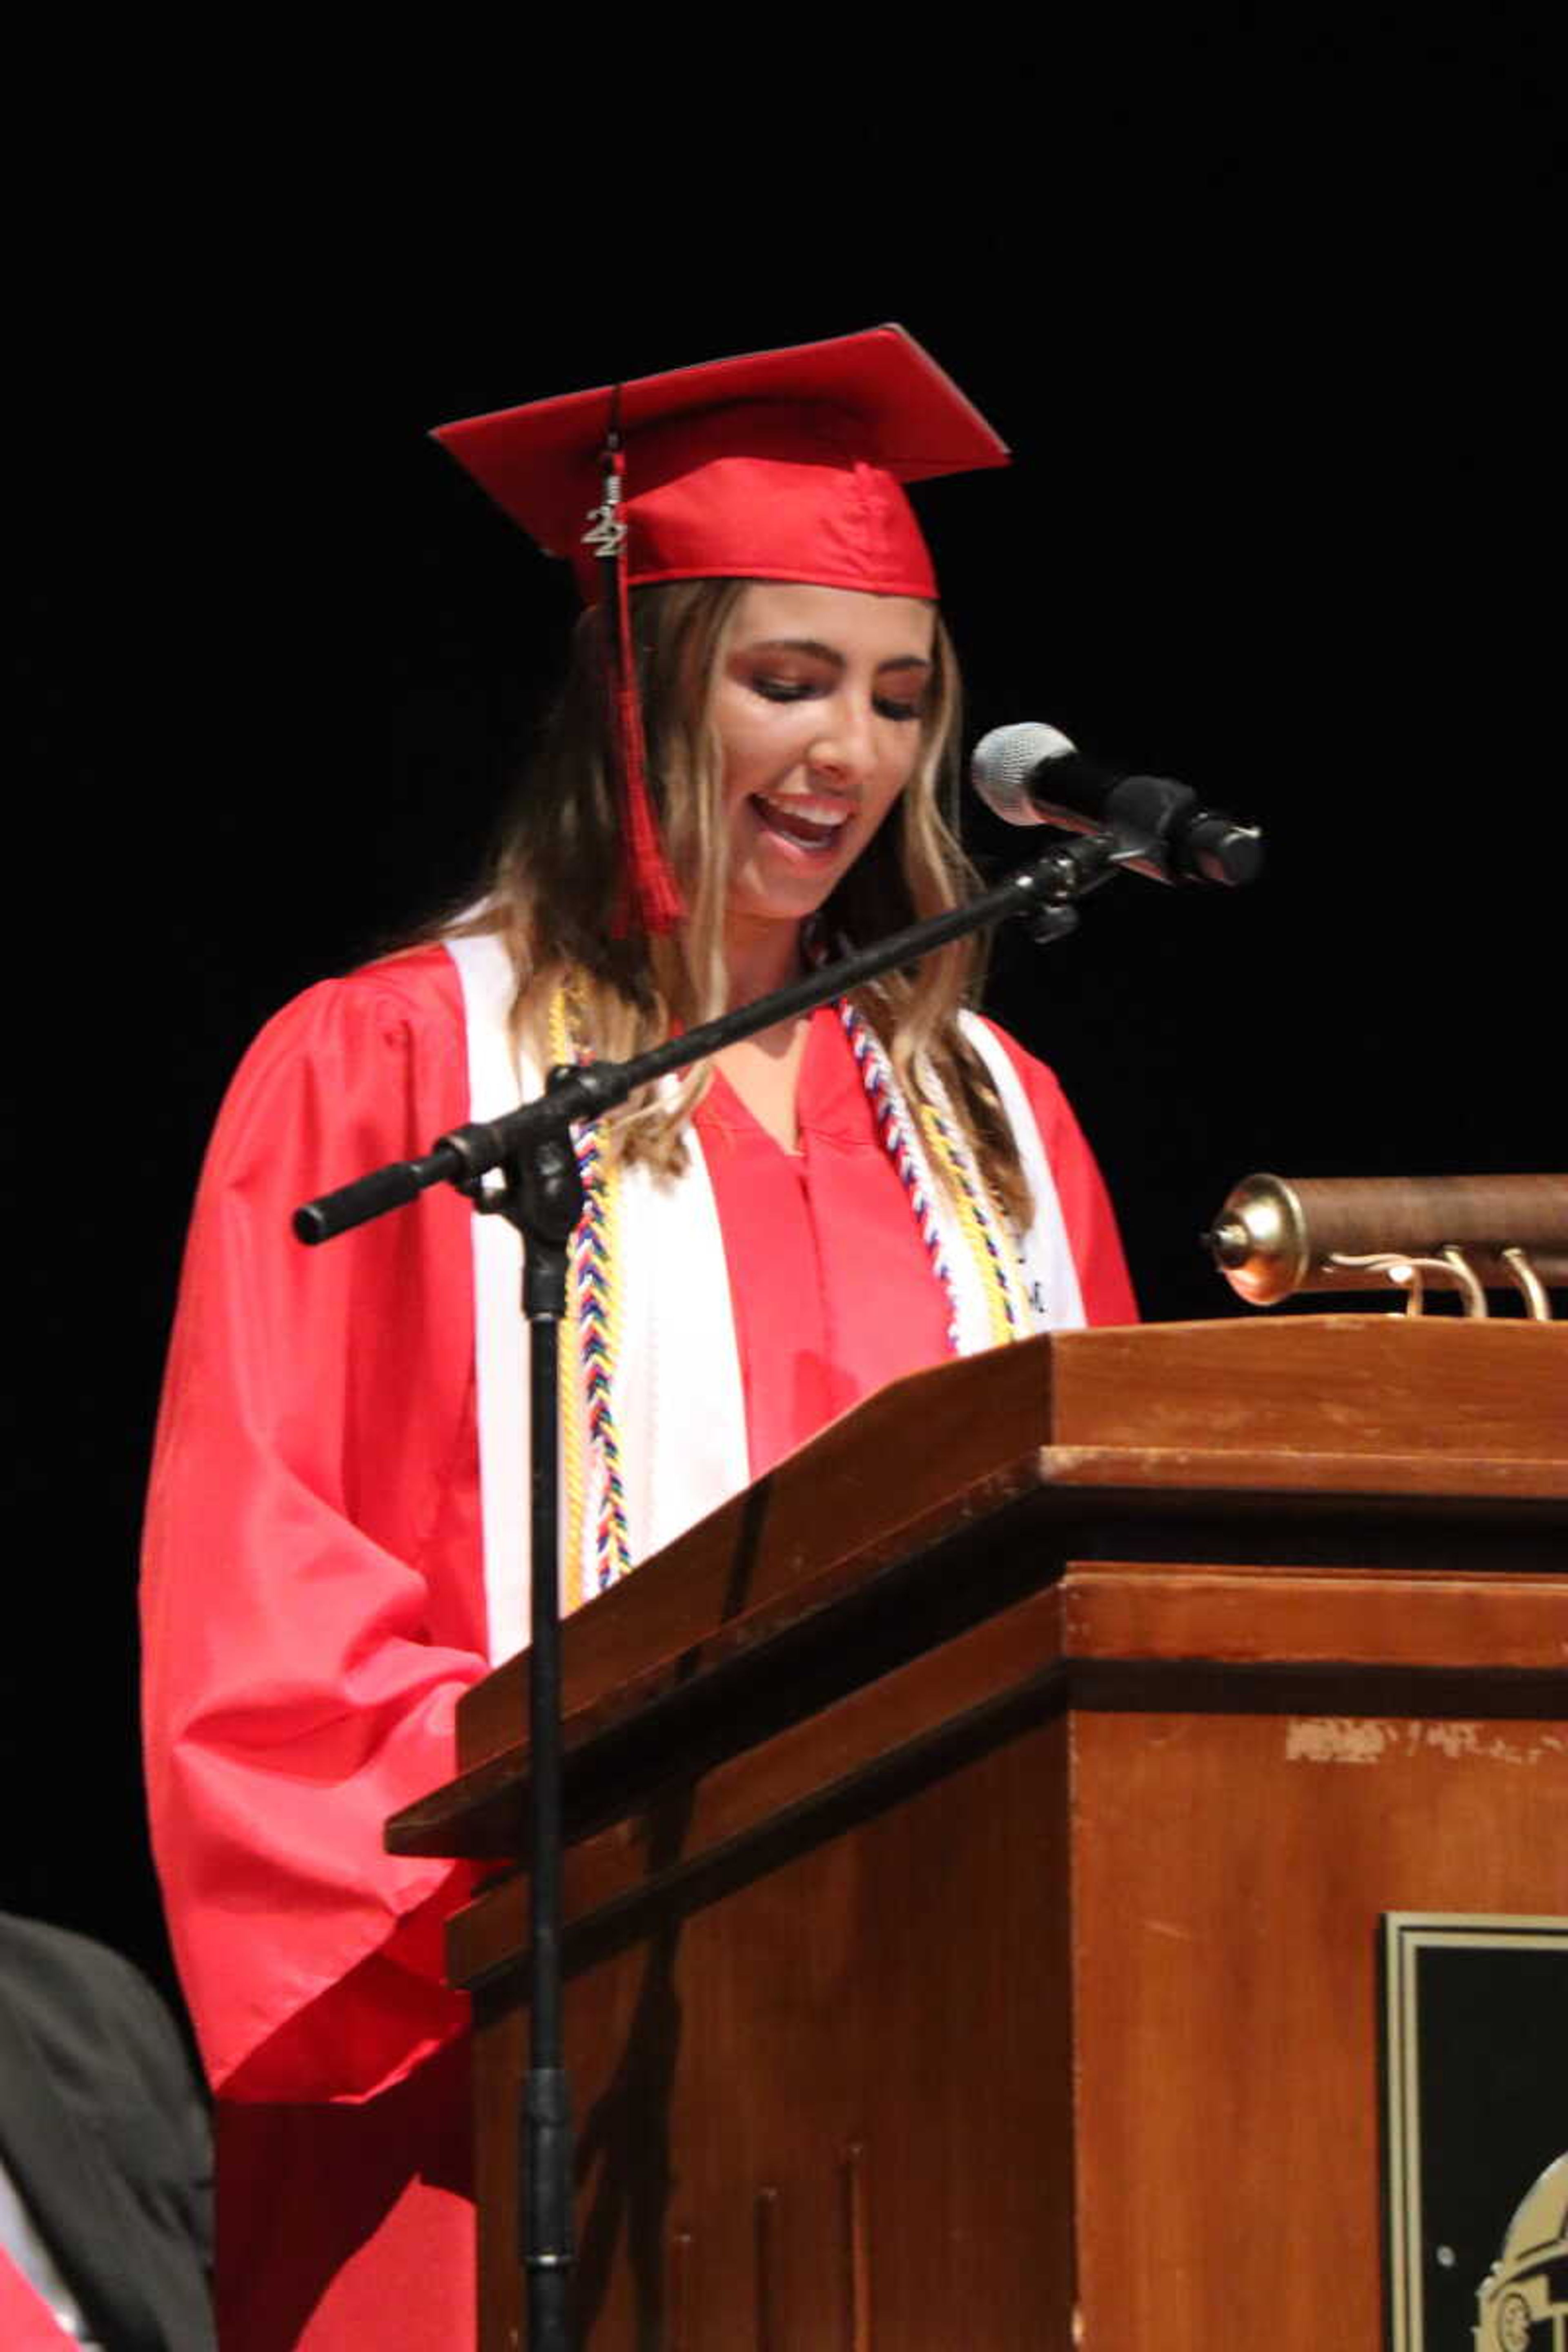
(776, 466)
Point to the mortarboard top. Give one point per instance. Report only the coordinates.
(776, 466)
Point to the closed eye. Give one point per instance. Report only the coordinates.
(794, 689)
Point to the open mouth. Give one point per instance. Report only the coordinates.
(805, 825)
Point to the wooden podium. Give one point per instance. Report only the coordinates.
(979, 1832)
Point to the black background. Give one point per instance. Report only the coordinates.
(1265, 317)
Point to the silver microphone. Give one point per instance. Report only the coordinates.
(1034, 774)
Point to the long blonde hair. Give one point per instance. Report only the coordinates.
(552, 891)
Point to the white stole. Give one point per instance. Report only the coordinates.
(677, 1394)
(1050, 1271)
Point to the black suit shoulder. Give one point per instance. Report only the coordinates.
(106, 2132)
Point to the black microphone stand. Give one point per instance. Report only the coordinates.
(541, 1193)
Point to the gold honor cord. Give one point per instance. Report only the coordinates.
(987, 1235)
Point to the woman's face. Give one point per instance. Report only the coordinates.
(818, 704)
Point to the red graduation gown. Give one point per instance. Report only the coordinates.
(314, 1602)
(26, 2321)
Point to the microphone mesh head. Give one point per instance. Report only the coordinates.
(1004, 760)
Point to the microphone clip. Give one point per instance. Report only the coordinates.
(1067, 875)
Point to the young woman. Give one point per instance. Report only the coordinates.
(335, 1539)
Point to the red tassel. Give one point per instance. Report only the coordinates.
(648, 899)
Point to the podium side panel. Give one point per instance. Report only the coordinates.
(1229, 1872)
(827, 2103)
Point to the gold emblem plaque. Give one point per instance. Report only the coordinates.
(1474, 2047)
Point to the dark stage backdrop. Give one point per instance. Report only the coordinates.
(1283, 523)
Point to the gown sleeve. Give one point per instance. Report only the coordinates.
(1104, 1284)
(313, 1594)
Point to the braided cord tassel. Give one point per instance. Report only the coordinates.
(902, 1150)
(598, 1292)
(597, 1300)
(988, 1243)
(573, 1465)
